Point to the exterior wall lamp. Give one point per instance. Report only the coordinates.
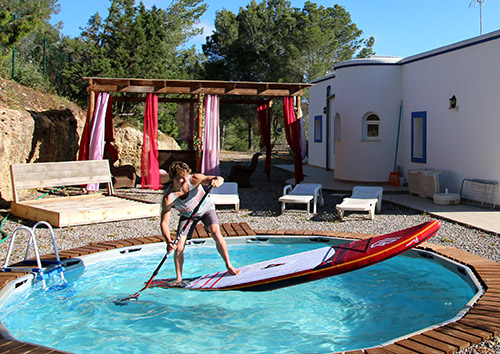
(453, 102)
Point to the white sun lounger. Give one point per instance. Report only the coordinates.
(362, 199)
(303, 193)
(226, 194)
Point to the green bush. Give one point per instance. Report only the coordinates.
(29, 75)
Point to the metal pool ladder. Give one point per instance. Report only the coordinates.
(55, 267)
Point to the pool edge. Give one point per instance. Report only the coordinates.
(482, 322)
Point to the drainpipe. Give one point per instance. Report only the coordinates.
(327, 135)
(329, 96)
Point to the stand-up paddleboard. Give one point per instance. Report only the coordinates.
(311, 265)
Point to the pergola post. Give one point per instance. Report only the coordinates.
(269, 130)
(91, 106)
(199, 130)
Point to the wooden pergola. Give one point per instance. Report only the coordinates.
(249, 92)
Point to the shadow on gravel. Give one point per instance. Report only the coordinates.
(262, 199)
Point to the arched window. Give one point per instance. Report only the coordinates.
(371, 127)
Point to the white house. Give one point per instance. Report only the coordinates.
(443, 103)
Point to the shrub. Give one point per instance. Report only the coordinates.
(29, 75)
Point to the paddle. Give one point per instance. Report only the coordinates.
(122, 302)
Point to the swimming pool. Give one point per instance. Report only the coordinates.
(345, 312)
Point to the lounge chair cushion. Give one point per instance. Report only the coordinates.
(226, 194)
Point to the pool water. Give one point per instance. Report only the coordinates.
(356, 310)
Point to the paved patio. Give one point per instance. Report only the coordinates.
(481, 218)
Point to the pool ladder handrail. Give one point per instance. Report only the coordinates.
(40, 274)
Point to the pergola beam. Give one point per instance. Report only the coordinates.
(184, 99)
(195, 87)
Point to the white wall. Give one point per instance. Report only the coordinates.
(362, 86)
(465, 142)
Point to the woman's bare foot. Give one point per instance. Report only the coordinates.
(233, 270)
(177, 284)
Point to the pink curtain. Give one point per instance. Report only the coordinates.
(211, 145)
(150, 168)
(292, 132)
(96, 145)
(262, 115)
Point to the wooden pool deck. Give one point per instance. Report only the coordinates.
(481, 323)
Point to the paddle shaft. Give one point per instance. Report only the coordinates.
(189, 221)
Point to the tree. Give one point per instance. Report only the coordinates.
(18, 18)
(140, 42)
(326, 37)
(37, 58)
(272, 41)
(133, 42)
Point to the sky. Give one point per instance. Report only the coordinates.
(401, 28)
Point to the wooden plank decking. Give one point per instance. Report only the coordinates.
(481, 323)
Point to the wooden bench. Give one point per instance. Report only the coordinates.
(73, 210)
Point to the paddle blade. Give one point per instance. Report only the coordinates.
(125, 300)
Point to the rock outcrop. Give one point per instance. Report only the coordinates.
(37, 127)
(128, 141)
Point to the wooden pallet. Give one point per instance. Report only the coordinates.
(79, 209)
(84, 209)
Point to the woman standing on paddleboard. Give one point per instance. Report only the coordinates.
(184, 194)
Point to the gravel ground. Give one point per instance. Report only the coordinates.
(261, 210)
